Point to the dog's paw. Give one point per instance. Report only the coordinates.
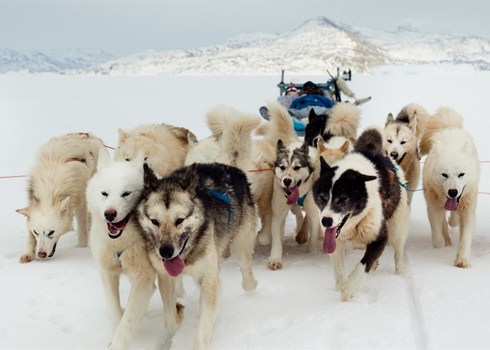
(263, 238)
(346, 295)
(301, 237)
(173, 321)
(25, 258)
(275, 264)
(400, 269)
(462, 262)
(249, 284)
(439, 243)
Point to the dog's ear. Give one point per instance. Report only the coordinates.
(280, 145)
(367, 178)
(187, 180)
(123, 135)
(305, 148)
(139, 160)
(325, 168)
(24, 211)
(320, 145)
(389, 119)
(64, 205)
(103, 160)
(345, 147)
(149, 177)
(312, 116)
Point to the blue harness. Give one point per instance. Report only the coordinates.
(224, 198)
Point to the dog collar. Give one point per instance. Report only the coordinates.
(301, 200)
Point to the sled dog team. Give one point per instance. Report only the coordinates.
(168, 204)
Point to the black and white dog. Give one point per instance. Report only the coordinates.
(360, 199)
(342, 120)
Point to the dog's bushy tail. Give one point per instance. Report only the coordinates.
(280, 125)
(344, 120)
(370, 140)
(234, 130)
(444, 118)
(415, 116)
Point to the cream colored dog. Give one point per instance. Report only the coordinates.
(56, 191)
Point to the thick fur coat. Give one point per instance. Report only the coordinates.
(450, 179)
(56, 191)
(165, 147)
(295, 168)
(191, 218)
(117, 244)
(360, 199)
(402, 138)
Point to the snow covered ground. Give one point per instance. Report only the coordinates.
(59, 303)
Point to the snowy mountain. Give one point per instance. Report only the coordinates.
(50, 61)
(315, 46)
(408, 45)
(312, 48)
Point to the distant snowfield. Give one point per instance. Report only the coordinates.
(59, 303)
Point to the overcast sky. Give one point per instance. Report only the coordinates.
(122, 27)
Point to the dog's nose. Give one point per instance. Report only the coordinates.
(287, 182)
(42, 255)
(327, 221)
(166, 252)
(394, 155)
(452, 193)
(110, 214)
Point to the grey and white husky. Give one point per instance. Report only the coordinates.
(190, 219)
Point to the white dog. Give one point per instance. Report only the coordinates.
(117, 243)
(450, 179)
(56, 190)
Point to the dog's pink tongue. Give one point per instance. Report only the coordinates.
(174, 266)
(329, 243)
(113, 230)
(293, 197)
(451, 204)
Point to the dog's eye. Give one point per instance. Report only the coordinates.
(50, 233)
(444, 175)
(155, 222)
(37, 234)
(104, 193)
(342, 200)
(324, 197)
(461, 175)
(282, 167)
(296, 168)
(403, 142)
(146, 158)
(125, 194)
(127, 159)
(179, 221)
(389, 141)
